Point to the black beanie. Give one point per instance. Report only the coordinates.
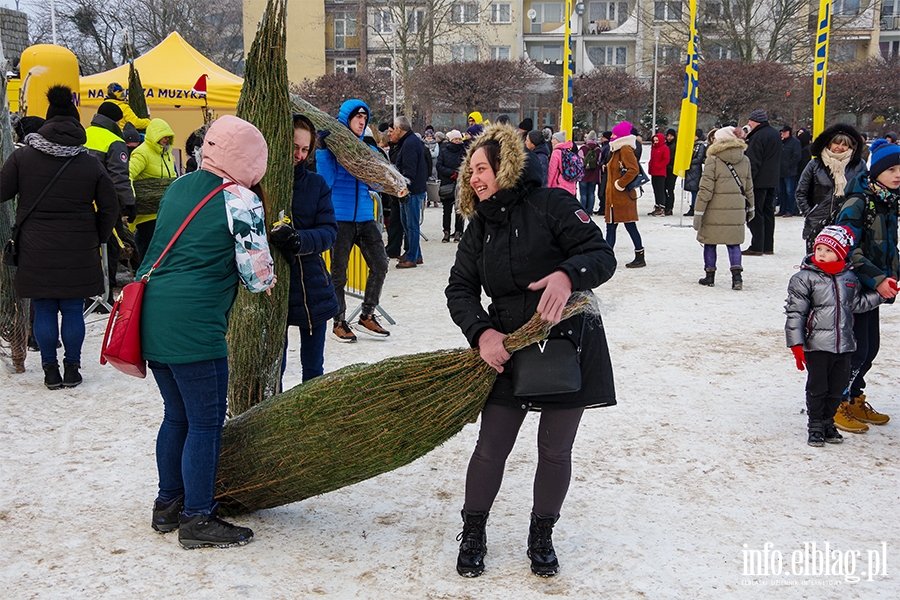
(526, 125)
(356, 111)
(61, 105)
(111, 111)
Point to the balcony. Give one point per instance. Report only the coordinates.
(890, 23)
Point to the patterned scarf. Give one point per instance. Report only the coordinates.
(837, 163)
(885, 194)
(39, 142)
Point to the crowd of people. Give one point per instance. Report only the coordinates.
(504, 190)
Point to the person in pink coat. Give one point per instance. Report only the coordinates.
(555, 178)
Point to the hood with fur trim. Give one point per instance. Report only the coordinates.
(512, 165)
(730, 149)
(821, 141)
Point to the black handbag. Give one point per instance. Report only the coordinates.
(639, 180)
(547, 368)
(11, 249)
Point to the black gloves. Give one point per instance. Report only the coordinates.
(285, 238)
(129, 211)
(320, 138)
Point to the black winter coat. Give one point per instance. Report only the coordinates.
(695, 171)
(410, 161)
(542, 152)
(59, 243)
(517, 237)
(790, 157)
(312, 300)
(764, 152)
(449, 160)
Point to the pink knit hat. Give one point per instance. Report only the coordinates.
(236, 150)
(621, 130)
(838, 238)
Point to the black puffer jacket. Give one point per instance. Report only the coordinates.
(520, 235)
(695, 172)
(59, 243)
(448, 161)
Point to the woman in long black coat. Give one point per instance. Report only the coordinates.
(59, 241)
(528, 248)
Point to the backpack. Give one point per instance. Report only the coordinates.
(590, 157)
(572, 166)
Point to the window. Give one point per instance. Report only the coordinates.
(545, 54)
(345, 65)
(846, 7)
(890, 8)
(463, 53)
(667, 11)
(608, 56)
(499, 52)
(415, 20)
(344, 26)
(548, 12)
(669, 55)
(613, 12)
(382, 63)
(464, 12)
(843, 52)
(719, 52)
(501, 12)
(382, 21)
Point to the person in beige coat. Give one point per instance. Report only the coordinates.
(724, 204)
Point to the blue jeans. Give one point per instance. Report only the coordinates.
(787, 199)
(587, 190)
(312, 351)
(47, 330)
(409, 216)
(632, 230)
(190, 437)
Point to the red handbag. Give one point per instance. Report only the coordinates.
(122, 341)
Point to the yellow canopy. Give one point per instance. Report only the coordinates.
(168, 74)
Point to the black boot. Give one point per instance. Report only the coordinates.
(446, 237)
(209, 530)
(816, 434)
(472, 544)
(737, 281)
(52, 379)
(638, 261)
(709, 279)
(832, 435)
(689, 213)
(71, 376)
(165, 515)
(540, 546)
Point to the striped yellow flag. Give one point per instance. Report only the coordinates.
(565, 113)
(820, 69)
(687, 121)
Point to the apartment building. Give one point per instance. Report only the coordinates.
(349, 35)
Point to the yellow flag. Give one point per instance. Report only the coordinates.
(565, 114)
(687, 123)
(820, 69)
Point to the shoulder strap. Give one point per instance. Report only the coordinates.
(46, 189)
(737, 179)
(187, 220)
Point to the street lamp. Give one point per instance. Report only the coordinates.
(394, 65)
(656, 30)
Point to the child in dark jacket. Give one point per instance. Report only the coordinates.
(822, 298)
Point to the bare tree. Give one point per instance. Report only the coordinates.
(473, 85)
(329, 91)
(604, 91)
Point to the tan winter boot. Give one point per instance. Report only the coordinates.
(845, 421)
(860, 409)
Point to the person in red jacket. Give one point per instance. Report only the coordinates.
(659, 159)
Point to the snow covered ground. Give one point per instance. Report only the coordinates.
(702, 465)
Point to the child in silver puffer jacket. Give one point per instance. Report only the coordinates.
(822, 298)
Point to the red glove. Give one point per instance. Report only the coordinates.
(799, 357)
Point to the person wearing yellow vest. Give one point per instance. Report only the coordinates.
(151, 160)
(115, 93)
(105, 142)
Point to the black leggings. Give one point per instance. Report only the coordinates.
(499, 429)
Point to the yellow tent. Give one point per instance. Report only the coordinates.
(168, 74)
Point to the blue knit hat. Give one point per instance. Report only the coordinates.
(884, 156)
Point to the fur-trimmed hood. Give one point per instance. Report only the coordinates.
(731, 150)
(821, 141)
(512, 165)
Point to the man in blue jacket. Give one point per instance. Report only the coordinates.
(354, 209)
(410, 161)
